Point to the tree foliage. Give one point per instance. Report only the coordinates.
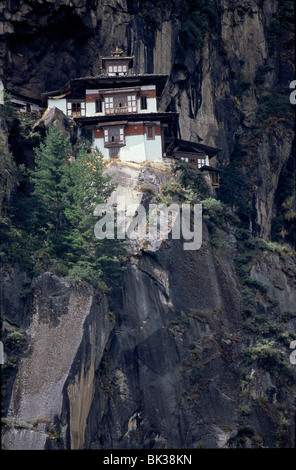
(52, 227)
(197, 16)
(49, 179)
(66, 192)
(10, 175)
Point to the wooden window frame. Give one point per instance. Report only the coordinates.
(148, 129)
(201, 162)
(215, 177)
(114, 152)
(121, 104)
(80, 108)
(109, 105)
(114, 135)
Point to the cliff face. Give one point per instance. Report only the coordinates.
(186, 353)
(191, 352)
(215, 73)
(67, 330)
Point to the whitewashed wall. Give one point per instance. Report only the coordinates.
(153, 149)
(60, 104)
(99, 144)
(91, 109)
(134, 151)
(137, 149)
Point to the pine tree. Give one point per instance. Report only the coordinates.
(9, 178)
(49, 179)
(66, 192)
(11, 175)
(88, 186)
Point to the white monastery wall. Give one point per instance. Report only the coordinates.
(59, 103)
(153, 149)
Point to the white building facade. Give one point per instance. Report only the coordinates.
(118, 111)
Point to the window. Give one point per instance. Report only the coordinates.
(201, 162)
(114, 152)
(132, 103)
(143, 102)
(214, 177)
(150, 132)
(99, 106)
(109, 105)
(114, 135)
(75, 108)
(120, 104)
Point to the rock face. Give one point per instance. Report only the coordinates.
(187, 353)
(64, 323)
(214, 87)
(162, 360)
(165, 362)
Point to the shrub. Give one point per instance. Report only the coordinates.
(197, 16)
(146, 188)
(196, 373)
(272, 103)
(16, 340)
(266, 355)
(191, 179)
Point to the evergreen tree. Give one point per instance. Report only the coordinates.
(50, 178)
(9, 178)
(88, 186)
(66, 192)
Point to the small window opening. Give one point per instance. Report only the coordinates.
(98, 106)
(143, 102)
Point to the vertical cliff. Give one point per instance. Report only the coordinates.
(66, 331)
(193, 349)
(229, 65)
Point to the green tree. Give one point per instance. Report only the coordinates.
(52, 160)
(192, 178)
(10, 175)
(88, 186)
(65, 194)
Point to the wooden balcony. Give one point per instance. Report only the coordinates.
(121, 110)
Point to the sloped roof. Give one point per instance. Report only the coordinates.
(105, 81)
(132, 117)
(196, 147)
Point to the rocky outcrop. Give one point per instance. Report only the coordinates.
(213, 87)
(162, 370)
(67, 333)
(173, 359)
(186, 353)
(166, 383)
